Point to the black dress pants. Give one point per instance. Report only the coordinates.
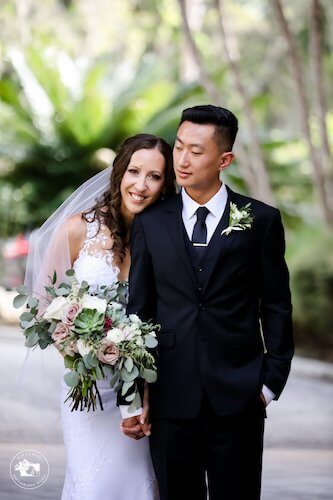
(221, 454)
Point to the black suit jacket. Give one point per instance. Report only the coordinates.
(213, 337)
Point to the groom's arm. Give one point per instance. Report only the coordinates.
(276, 308)
(141, 291)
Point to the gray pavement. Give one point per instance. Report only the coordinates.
(298, 456)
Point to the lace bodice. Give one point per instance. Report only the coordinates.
(94, 263)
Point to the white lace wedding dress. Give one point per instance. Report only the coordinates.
(102, 463)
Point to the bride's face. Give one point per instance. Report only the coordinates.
(142, 182)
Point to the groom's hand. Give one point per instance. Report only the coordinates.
(132, 427)
(135, 427)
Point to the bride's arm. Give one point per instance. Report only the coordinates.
(76, 230)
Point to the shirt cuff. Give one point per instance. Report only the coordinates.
(127, 414)
(268, 394)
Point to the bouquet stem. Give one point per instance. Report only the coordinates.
(81, 401)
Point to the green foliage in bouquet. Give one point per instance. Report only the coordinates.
(95, 336)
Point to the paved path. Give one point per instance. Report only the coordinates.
(298, 456)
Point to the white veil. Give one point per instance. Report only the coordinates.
(39, 380)
(49, 245)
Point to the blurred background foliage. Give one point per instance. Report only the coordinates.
(77, 77)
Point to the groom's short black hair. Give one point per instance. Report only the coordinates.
(226, 123)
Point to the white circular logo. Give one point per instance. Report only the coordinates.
(29, 469)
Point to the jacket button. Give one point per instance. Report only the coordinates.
(199, 268)
(200, 289)
(202, 307)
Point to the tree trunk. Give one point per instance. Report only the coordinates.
(318, 171)
(263, 183)
(316, 50)
(243, 157)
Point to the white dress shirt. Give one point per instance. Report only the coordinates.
(216, 206)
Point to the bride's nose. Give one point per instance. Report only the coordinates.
(141, 183)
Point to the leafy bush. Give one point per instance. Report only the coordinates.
(311, 269)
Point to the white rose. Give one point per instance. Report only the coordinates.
(130, 332)
(135, 319)
(90, 302)
(115, 335)
(82, 347)
(56, 309)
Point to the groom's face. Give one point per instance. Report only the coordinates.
(197, 158)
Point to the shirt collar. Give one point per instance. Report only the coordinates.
(215, 205)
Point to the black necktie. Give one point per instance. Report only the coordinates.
(199, 236)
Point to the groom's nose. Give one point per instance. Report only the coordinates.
(184, 159)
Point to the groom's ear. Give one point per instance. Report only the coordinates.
(225, 160)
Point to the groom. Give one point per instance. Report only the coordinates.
(223, 301)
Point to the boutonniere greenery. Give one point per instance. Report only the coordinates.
(239, 219)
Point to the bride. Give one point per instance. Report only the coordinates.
(101, 462)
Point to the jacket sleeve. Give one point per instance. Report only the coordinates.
(275, 307)
(142, 290)
(141, 287)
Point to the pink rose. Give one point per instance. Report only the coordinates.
(60, 333)
(71, 348)
(71, 313)
(108, 352)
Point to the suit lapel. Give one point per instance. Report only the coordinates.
(174, 223)
(220, 244)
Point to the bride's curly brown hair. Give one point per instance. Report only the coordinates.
(108, 209)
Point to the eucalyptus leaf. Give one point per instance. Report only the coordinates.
(44, 343)
(54, 278)
(150, 341)
(136, 403)
(80, 368)
(22, 290)
(114, 379)
(32, 302)
(19, 301)
(99, 373)
(27, 324)
(93, 360)
(129, 364)
(70, 272)
(50, 290)
(26, 316)
(149, 375)
(61, 291)
(32, 340)
(125, 387)
(71, 378)
(117, 386)
(130, 397)
(69, 361)
(129, 376)
(52, 327)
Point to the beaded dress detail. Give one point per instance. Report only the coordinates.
(102, 463)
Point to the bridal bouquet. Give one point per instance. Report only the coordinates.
(95, 337)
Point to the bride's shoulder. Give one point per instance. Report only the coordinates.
(76, 230)
(76, 226)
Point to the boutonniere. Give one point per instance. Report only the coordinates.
(240, 219)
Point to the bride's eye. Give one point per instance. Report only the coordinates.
(132, 170)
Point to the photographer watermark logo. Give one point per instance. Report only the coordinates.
(29, 469)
